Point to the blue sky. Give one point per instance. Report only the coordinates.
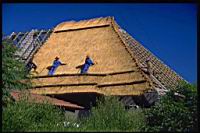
(169, 31)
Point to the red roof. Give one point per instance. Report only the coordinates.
(36, 98)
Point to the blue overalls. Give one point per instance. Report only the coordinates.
(55, 65)
(88, 63)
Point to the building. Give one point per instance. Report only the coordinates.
(118, 72)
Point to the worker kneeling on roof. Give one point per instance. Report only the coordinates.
(87, 64)
(55, 65)
(31, 65)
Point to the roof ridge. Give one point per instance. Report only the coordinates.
(91, 19)
(69, 25)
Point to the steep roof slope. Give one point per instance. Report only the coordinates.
(72, 41)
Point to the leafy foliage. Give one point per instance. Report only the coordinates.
(110, 115)
(12, 70)
(23, 116)
(174, 113)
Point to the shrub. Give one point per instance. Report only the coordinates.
(172, 114)
(23, 116)
(12, 70)
(110, 115)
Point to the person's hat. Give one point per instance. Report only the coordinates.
(87, 55)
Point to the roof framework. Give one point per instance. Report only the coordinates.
(28, 43)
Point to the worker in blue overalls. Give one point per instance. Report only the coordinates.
(86, 65)
(55, 65)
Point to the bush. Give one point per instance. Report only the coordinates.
(174, 114)
(23, 116)
(110, 115)
(12, 70)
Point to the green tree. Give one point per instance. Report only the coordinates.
(174, 113)
(12, 70)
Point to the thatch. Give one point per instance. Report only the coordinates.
(133, 89)
(130, 83)
(77, 78)
(72, 41)
(82, 24)
(102, 44)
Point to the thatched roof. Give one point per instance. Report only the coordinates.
(126, 83)
(72, 41)
(102, 44)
